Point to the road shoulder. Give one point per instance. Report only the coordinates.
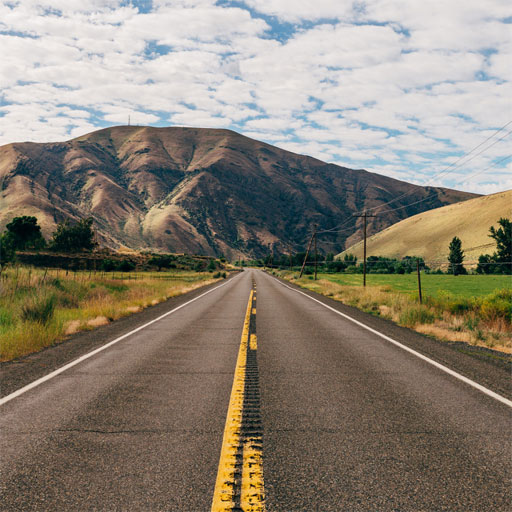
(489, 368)
(22, 371)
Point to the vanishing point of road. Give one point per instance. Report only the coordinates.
(254, 395)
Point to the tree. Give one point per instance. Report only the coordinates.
(350, 259)
(456, 257)
(73, 238)
(503, 238)
(501, 261)
(6, 250)
(24, 233)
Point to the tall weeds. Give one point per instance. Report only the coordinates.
(484, 321)
(39, 308)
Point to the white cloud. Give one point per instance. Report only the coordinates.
(404, 97)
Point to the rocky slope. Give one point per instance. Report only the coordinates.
(201, 191)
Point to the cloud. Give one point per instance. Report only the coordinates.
(402, 88)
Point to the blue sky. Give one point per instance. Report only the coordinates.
(400, 88)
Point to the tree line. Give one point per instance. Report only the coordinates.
(24, 233)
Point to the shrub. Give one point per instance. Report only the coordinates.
(108, 265)
(5, 317)
(126, 266)
(39, 308)
(497, 305)
(412, 316)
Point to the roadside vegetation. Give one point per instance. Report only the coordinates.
(473, 307)
(469, 308)
(40, 307)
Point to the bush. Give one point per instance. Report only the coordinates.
(126, 266)
(497, 305)
(416, 315)
(108, 265)
(162, 261)
(39, 308)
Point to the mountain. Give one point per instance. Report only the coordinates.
(428, 234)
(202, 191)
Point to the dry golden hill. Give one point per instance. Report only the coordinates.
(429, 234)
(193, 190)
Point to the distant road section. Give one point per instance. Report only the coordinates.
(278, 404)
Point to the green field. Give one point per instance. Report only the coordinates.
(431, 284)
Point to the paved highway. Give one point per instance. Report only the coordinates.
(253, 395)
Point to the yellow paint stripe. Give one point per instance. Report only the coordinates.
(253, 343)
(223, 495)
(252, 497)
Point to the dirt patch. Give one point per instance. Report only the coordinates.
(96, 322)
(133, 309)
(72, 327)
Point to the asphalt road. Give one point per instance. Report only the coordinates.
(349, 420)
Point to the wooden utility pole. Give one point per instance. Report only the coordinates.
(419, 280)
(307, 253)
(316, 256)
(291, 262)
(365, 217)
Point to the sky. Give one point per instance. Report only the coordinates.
(413, 89)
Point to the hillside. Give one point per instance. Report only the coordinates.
(201, 191)
(428, 234)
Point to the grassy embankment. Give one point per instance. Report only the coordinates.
(475, 309)
(38, 308)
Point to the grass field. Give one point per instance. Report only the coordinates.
(39, 308)
(474, 309)
(431, 284)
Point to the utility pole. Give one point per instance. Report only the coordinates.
(365, 217)
(316, 255)
(307, 253)
(291, 261)
(419, 280)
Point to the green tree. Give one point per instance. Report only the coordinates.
(350, 259)
(73, 238)
(456, 257)
(503, 238)
(501, 261)
(25, 233)
(6, 250)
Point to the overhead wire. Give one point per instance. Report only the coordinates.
(449, 169)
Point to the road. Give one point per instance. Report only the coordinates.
(254, 395)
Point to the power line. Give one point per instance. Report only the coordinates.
(446, 170)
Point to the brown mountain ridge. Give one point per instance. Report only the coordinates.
(202, 191)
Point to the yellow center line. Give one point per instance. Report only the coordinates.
(240, 464)
(253, 343)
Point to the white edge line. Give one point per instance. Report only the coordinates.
(470, 382)
(39, 381)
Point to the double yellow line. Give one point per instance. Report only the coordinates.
(240, 474)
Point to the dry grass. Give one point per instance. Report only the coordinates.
(484, 322)
(429, 233)
(39, 308)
